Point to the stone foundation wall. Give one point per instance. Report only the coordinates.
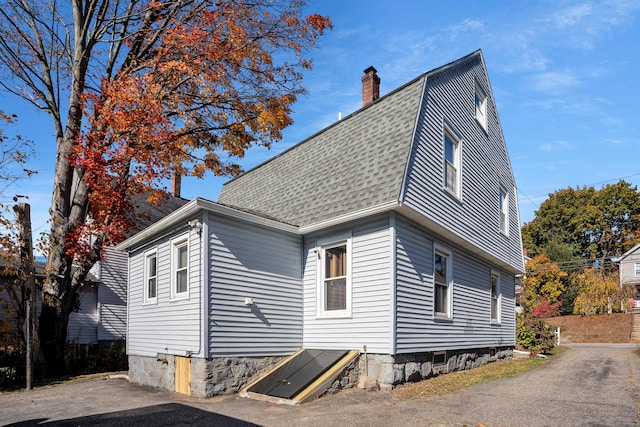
(218, 376)
(389, 371)
(156, 372)
(228, 375)
(348, 378)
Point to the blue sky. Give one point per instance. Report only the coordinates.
(564, 76)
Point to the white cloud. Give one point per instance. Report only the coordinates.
(555, 81)
(556, 146)
(570, 16)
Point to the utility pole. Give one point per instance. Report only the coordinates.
(27, 268)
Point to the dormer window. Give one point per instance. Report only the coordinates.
(481, 107)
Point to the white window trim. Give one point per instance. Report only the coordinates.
(457, 162)
(320, 292)
(175, 244)
(636, 269)
(481, 113)
(449, 254)
(145, 290)
(498, 318)
(504, 211)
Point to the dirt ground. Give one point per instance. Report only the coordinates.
(603, 328)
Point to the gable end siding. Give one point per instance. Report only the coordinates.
(485, 167)
(247, 261)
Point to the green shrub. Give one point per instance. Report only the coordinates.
(534, 335)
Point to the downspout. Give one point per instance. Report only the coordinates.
(127, 335)
(392, 244)
(197, 226)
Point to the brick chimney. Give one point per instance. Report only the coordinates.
(370, 86)
(176, 183)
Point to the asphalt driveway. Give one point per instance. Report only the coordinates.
(588, 385)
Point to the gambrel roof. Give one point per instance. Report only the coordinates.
(353, 164)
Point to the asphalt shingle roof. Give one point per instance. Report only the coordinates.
(354, 164)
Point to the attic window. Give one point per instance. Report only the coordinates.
(504, 212)
(451, 163)
(481, 107)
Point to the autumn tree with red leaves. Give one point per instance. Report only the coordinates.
(138, 90)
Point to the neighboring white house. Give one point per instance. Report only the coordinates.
(395, 228)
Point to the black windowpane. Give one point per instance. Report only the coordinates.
(441, 299)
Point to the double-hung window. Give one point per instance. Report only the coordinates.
(442, 283)
(637, 269)
(150, 277)
(504, 211)
(180, 268)
(495, 297)
(334, 293)
(481, 107)
(451, 163)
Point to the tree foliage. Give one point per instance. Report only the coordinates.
(543, 285)
(138, 90)
(585, 223)
(599, 292)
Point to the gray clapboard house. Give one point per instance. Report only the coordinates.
(630, 270)
(395, 228)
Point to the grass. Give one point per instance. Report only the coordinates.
(457, 381)
(637, 352)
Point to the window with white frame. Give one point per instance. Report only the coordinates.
(637, 269)
(495, 297)
(504, 211)
(442, 283)
(481, 107)
(150, 277)
(451, 163)
(334, 293)
(180, 268)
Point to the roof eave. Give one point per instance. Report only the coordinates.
(191, 209)
(352, 216)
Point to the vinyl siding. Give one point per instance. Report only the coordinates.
(166, 326)
(470, 325)
(370, 321)
(83, 324)
(112, 296)
(628, 267)
(485, 167)
(247, 261)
